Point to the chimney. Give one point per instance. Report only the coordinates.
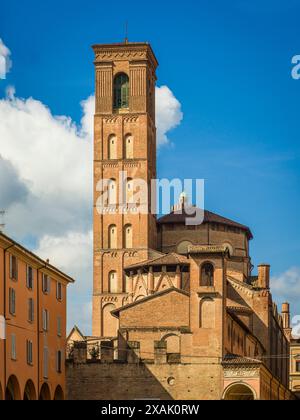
(264, 276)
(286, 318)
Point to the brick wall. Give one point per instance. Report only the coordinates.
(99, 381)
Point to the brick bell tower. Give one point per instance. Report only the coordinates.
(124, 151)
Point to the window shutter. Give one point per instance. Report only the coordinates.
(44, 320)
(31, 310)
(58, 361)
(16, 268)
(58, 291)
(46, 284)
(13, 347)
(59, 326)
(45, 367)
(29, 350)
(12, 301)
(29, 278)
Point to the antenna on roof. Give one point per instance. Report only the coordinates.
(126, 32)
(2, 214)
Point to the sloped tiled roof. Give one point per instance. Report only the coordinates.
(167, 259)
(235, 359)
(178, 217)
(237, 307)
(76, 329)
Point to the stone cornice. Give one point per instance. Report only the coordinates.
(125, 51)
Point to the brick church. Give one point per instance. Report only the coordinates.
(177, 313)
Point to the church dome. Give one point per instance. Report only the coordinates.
(180, 216)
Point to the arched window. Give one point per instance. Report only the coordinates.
(113, 282)
(129, 191)
(239, 391)
(173, 344)
(112, 192)
(128, 237)
(121, 91)
(112, 237)
(128, 146)
(183, 247)
(112, 147)
(207, 314)
(109, 323)
(207, 275)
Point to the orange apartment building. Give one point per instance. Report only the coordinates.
(33, 302)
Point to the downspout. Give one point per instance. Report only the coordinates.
(4, 310)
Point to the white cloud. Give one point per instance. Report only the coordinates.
(54, 160)
(168, 114)
(286, 288)
(46, 184)
(5, 60)
(13, 189)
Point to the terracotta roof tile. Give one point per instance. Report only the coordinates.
(168, 259)
(235, 359)
(209, 217)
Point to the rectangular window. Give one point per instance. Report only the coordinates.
(30, 310)
(29, 352)
(46, 284)
(58, 291)
(12, 301)
(59, 329)
(13, 347)
(29, 278)
(45, 363)
(13, 267)
(58, 361)
(45, 320)
(298, 366)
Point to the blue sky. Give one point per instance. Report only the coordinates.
(229, 65)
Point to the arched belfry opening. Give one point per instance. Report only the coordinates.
(121, 91)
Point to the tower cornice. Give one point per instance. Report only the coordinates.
(133, 51)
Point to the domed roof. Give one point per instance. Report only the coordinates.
(180, 216)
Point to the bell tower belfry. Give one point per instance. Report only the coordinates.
(124, 151)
